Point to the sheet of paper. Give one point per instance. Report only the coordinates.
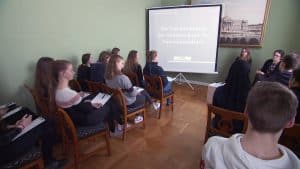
(12, 112)
(138, 89)
(101, 98)
(170, 79)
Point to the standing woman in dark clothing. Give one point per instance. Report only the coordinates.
(132, 66)
(233, 94)
(83, 72)
(295, 87)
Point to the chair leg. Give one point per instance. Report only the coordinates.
(172, 98)
(161, 104)
(124, 129)
(106, 136)
(144, 121)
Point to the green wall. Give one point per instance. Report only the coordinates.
(63, 29)
(282, 31)
(67, 28)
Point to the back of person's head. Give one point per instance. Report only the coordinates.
(237, 85)
(295, 80)
(115, 51)
(131, 61)
(245, 55)
(291, 61)
(59, 67)
(152, 55)
(104, 57)
(85, 58)
(270, 107)
(111, 68)
(43, 76)
(280, 51)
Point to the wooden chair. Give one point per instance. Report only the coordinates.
(78, 135)
(42, 105)
(133, 78)
(154, 86)
(225, 126)
(75, 85)
(291, 139)
(118, 96)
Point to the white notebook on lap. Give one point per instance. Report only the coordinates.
(17, 109)
(138, 89)
(32, 125)
(101, 98)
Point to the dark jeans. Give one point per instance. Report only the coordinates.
(168, 89)
(84, 114)
(147, 96)
(140, 100)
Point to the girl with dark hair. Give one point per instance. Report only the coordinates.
(233, 94)
(81, 111)
(98, 68)
(115, 51)
(132, 66)
(294, 85)
(83, 71)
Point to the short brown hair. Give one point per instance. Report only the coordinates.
(270, 105)
(111, 68)
(103, 56)
(115, 51)
(291, 61)
(85, 58)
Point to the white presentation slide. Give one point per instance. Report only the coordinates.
(186, 37)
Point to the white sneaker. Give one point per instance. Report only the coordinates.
(138, 119)
(155, 105)
(120, 127)
(117, 133)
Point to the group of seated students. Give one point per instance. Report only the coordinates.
(271, 105)
(52, 84)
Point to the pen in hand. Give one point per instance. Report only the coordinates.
(103, 96)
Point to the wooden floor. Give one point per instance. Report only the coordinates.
(173, 142)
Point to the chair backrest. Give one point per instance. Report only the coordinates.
(94, 87)
(224, 126)
(75, 85)
(42, 104)
(154, 85)
(133, 78)
(291, 139)
(68, 132)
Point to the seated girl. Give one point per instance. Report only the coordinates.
(132, 66)
(80, 109)
(116, 79)
(152, 69)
